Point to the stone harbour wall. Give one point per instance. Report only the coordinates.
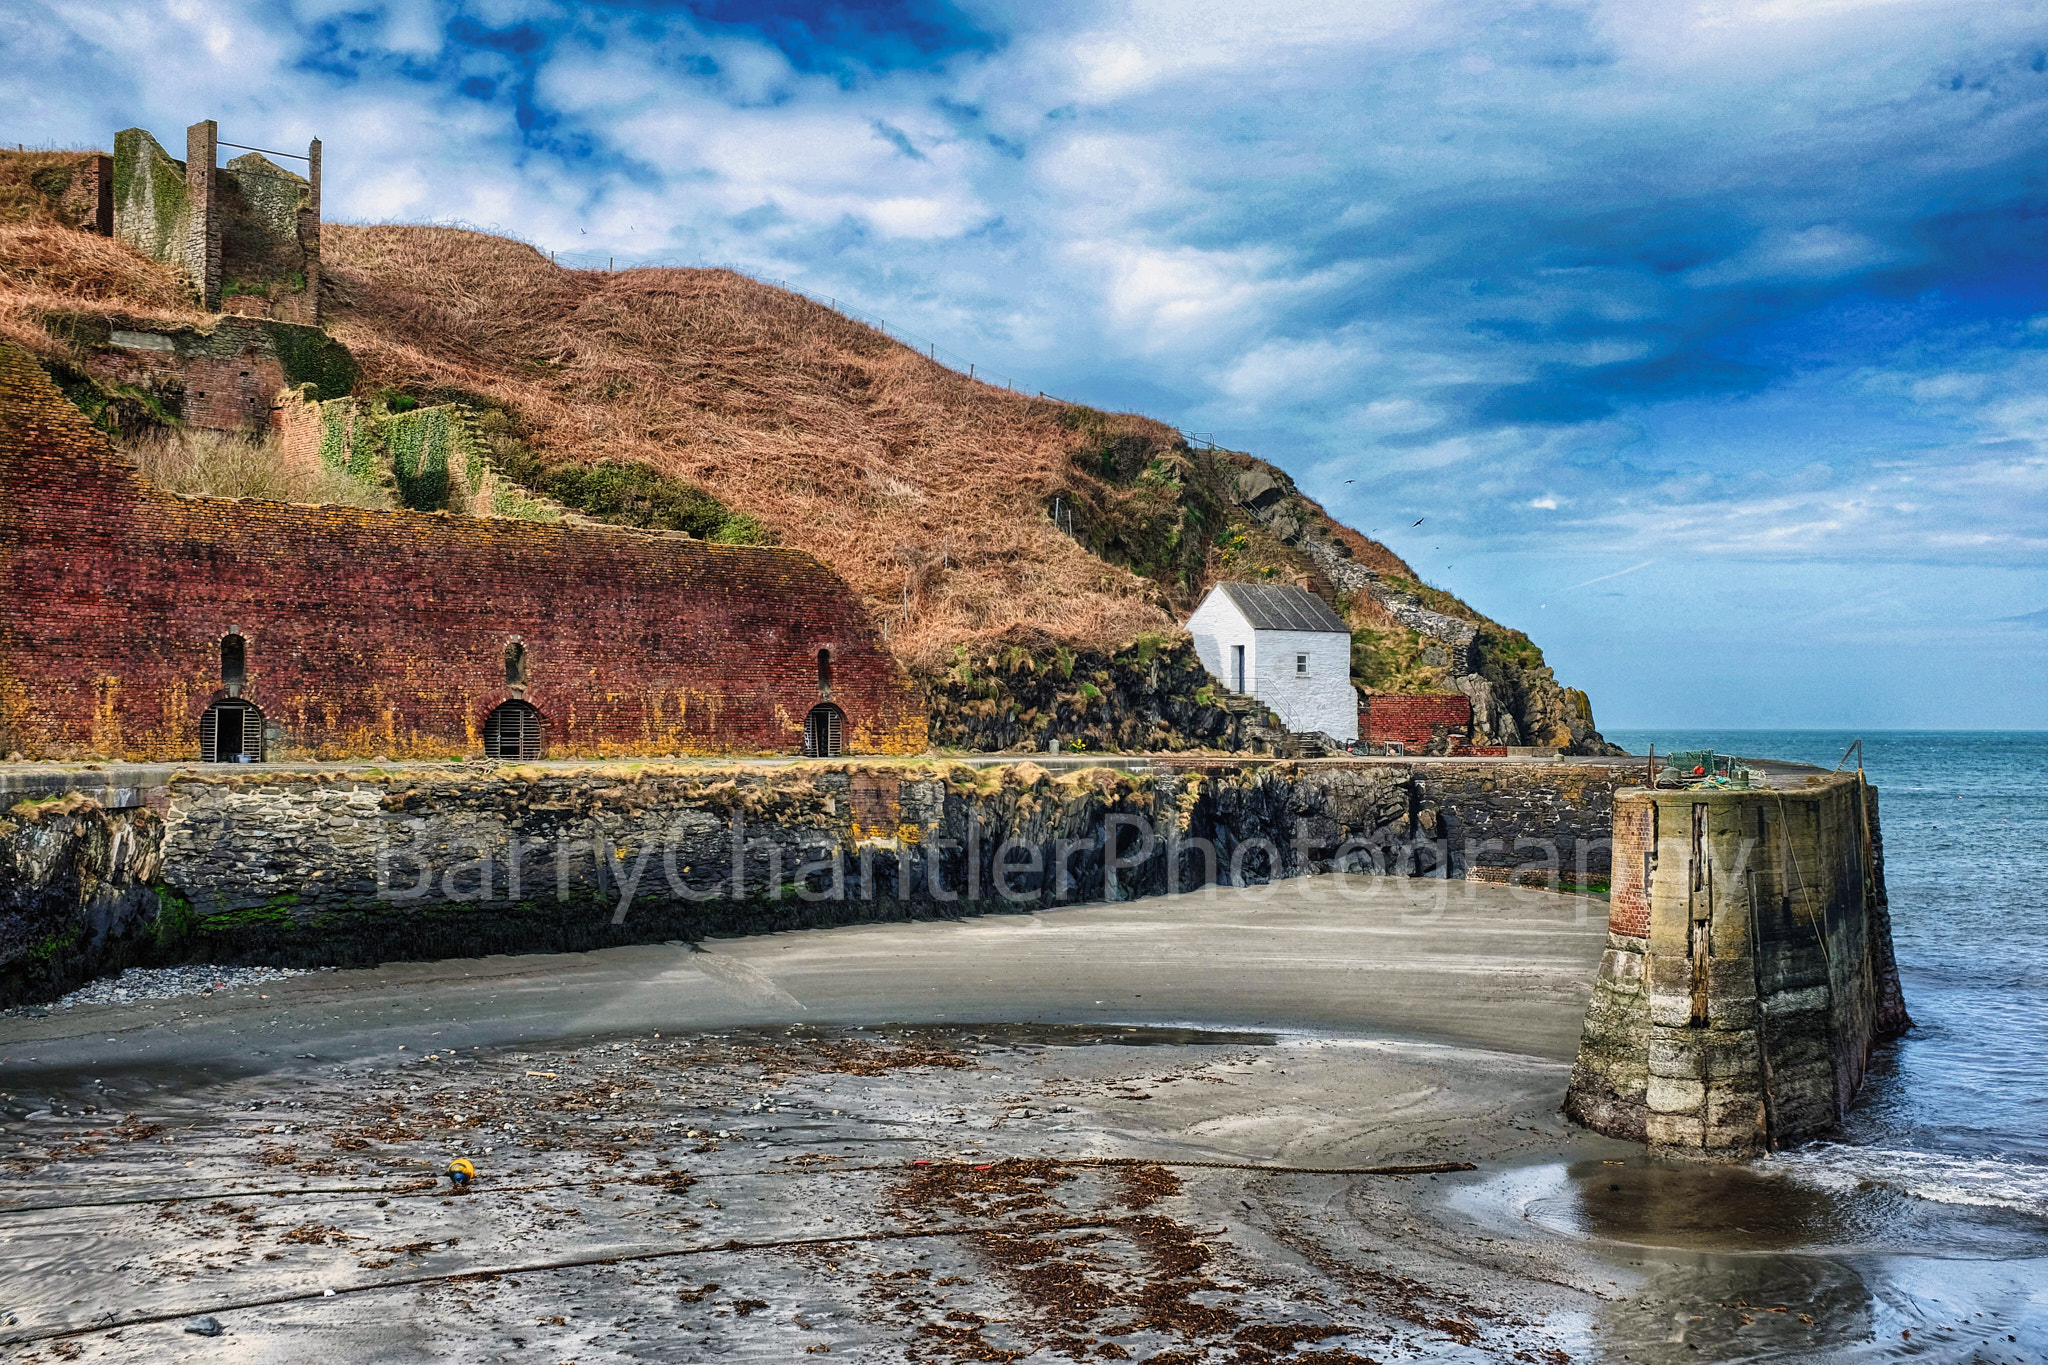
(266, 865)
(1749, 969)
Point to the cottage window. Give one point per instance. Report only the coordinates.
(824, 731)
(1301, 665)
(512, 733)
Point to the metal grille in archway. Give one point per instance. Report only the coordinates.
(824, 731)
(231, 732)
(512, 733)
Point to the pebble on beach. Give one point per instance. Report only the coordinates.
(165, 983)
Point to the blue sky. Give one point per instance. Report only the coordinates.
(1710, 340)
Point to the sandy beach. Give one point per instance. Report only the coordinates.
(1110, 1132)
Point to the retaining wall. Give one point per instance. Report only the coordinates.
(313, 868)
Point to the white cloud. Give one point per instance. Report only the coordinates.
(1467, 252)
(1819, 252)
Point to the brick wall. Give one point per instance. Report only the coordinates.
(225, 376)
(1629, 897)
(384, 632)
(231, 393)
(1412, 721)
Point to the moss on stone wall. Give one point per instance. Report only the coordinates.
(310, 356)
(626, 493)
(152, 207)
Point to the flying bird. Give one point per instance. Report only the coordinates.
(1418, 522)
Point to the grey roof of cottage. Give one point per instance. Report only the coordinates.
(1282, 606)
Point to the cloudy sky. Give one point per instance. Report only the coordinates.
(1709, 340)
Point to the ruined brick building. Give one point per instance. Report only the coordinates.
(246, 235)
(140, 624)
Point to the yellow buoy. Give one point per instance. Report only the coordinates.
(461, 1172)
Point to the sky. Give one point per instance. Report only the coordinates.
(1708, 341)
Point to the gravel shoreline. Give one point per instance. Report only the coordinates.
(162, 983)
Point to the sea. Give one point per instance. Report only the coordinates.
(1934, 1195)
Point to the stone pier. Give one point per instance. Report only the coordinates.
(1749, 968)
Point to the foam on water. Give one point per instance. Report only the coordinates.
(1940, 1177)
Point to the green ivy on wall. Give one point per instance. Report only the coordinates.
(418, 442)
(310, 356)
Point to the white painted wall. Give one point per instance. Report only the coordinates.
(1217, 625)
(1323, 700)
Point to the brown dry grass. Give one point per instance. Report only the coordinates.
(221, 464)
(48, 266)
(923, 488)
(20, 200)
(926, 490)
(47, 269)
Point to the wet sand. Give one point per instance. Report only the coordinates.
(882, 1143)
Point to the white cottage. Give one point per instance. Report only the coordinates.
(1284, 646)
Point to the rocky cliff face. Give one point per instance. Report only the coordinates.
(1153, 696)
(1187, 518)
(76, 897)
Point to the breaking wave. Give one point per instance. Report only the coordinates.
(1979, 1181)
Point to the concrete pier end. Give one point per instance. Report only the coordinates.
(1749, 969)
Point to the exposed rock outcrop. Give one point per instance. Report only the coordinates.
(1021, 695)
(1516, 698)
(75, 893)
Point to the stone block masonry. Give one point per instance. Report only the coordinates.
(245, 235)
(327, 868)
(393, 633)
(1749, 968)
(250, 864)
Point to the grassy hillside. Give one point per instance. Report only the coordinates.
(705, 401)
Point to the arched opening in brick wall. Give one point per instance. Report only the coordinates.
(824, 672)
(231, 732)
(515, 664)
(512, 733)
(824, 731)
(234, 663)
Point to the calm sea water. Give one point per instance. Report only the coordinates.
(1957, 1111)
